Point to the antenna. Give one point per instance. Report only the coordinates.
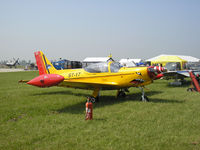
(110, 56)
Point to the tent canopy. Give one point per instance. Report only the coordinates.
(189, 58)
(96, 59)
(166, 59)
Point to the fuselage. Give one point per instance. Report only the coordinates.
(125, 77)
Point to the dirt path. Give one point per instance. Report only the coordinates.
(10, 70)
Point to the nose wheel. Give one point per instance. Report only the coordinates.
(143, 98)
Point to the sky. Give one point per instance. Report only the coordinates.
(76, 29)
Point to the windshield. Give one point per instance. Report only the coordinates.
(114, 67)
(97, 68)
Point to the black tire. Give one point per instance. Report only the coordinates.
(121, 94)
(146, 99)
(91, 99)
(189, 89)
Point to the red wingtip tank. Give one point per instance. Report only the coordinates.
(46, 80)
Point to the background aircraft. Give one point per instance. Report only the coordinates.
(12, 63)
(100, 76)
(175, 73)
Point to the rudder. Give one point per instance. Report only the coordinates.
(44, 65)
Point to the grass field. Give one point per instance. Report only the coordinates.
(54, 118)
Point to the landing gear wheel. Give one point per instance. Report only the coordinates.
(121, 94)
(91, 99)
(144, 99)
(189, 89)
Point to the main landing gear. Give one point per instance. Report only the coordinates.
(120, 94)
(95, 96)
(143, 98)
(91, 99)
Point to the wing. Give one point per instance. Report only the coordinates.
(176, 74)
(106, 85)
(89, 85)
(183, 73)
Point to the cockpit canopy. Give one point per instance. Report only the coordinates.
(103, 67)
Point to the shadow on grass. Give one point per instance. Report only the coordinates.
(60, 93)
(184, 84)
(148, 93)
(155, 100)
(111, 100)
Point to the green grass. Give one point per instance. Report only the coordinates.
(54, 118)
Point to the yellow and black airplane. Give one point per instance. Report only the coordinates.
(100, 76)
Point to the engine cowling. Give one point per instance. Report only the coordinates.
(155, 72)
(46, 80)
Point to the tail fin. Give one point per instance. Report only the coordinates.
(44, 65)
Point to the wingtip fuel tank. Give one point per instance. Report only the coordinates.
(46, 80)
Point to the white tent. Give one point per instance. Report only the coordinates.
(127, 63)
(96, 59)
(130, 62)
(90, 60)
(187, 58)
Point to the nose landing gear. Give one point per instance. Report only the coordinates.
(143, 98)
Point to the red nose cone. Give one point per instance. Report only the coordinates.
(46, 80)
(155, 71)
